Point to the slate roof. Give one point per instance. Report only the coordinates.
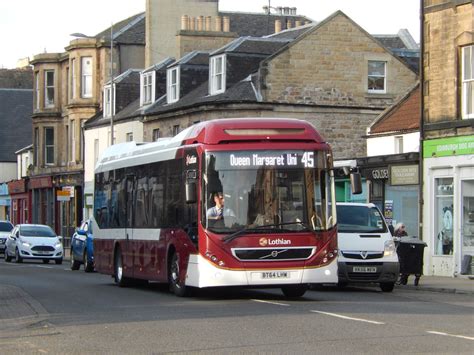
(16, 78)
(128, 31)
(258, 25)
(16, 108)
(403, 117)
(293, 33)
(193, 58)
(252, 45)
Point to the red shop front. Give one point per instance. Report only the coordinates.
(20, 201)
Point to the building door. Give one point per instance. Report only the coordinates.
(467, 223)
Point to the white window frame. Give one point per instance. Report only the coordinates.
(217, 75)
(147, 85)
(129, 137)
(468, 82)
(37, 83)
(172, 86)
(86, 77)
(48, 90)
(384, 76)
(48, 148)
(155, 134)
(107, 98)
(72, 132)
(398, 140)
(72, 72)
(96, 150)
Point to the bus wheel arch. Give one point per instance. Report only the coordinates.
(175, 272)
(119, 279)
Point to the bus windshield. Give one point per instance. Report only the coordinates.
(290, 191)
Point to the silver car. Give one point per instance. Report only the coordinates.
(5, 230)
(34, 241)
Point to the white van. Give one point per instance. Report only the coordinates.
(367, 252)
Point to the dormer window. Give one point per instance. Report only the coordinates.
(147, 94)
(172, 86)
(217, 75)
(49, 88)
(108, 101)
(377, 83)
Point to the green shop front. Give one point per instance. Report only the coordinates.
(448, 210)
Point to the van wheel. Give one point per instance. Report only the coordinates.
(75, 265)
(120, 280)
(177, 286)
(294, 291)
(387, 286)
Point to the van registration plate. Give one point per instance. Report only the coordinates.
(275, 275)
(367, 269)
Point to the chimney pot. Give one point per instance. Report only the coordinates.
(277, 26)
(218, 24)
(226, 24)
(208, 23)
(289, 24)
(297, 23)
(192, 23)
(184, 22)
(293, 10)
(200, 23)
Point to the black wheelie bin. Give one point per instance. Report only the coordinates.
(410, 254)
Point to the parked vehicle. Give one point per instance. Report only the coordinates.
(34, 241)
(82, 247)
(367, 252)
(5, 230)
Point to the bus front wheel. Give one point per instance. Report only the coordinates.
(120, 280)
(293, 291)
(177, 286)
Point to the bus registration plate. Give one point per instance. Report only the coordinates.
(275, 275)
(367, 269)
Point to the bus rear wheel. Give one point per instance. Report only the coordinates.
(293, 291)
(176, 285)
(120, 280)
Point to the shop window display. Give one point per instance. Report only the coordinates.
(444, 216)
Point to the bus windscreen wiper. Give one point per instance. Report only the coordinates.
(245, 230)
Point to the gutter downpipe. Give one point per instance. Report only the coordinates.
(422, 108)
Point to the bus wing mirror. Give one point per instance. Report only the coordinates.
(356, 183)
(191, 192)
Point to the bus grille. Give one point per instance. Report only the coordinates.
(273, 254)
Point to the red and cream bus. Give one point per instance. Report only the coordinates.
(153, 206)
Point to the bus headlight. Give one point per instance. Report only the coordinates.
(389, 248)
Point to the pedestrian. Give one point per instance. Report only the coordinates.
(400, 230)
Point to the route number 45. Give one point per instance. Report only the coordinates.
(308, 159)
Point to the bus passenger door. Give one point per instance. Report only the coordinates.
(127, 248)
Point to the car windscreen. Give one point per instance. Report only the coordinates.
(37, 231)
(360, 219)
(6, 227)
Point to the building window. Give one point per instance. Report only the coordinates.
(49, 146)
(217, 75)
(172, 90)
(73, 140)
(108, 101)
(96, 150)
(86, 77)
(37, 91)
(156, 134)
(148, 88)
(175, 129)
(398, 144)
(36, 147)
(467, 82)
(129, 137)
(377, 77)
(49, 88)
(443, 244)
(72, 80)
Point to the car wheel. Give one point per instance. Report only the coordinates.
(88, 267)
(177, 286)
(387, 286)
(75, 265)
(7, 257)
(294, 291)
(18, 258)
(58, 261)
(45, 261)
(120, 280)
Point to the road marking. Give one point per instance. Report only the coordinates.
(349, 318)
(271, 302)
(449, 335)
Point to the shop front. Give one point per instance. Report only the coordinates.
(448, 213)
(20, 201)
(5, 202)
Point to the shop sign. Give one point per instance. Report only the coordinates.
(17, 187)
(63, 195)
(70, 189)
(89, 200)
(377, 174)
(445, 147)
(41, 182)
(404, 175)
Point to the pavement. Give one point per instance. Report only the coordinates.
(462, 284)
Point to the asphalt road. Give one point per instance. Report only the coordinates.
(51, 309)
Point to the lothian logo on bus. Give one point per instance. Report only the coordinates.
(265, 242)
(191, 159)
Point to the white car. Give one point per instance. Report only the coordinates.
(5, 229)
(34, 241)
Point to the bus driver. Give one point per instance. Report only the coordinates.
(219, 211)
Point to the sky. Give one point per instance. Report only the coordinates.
(30, 27)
